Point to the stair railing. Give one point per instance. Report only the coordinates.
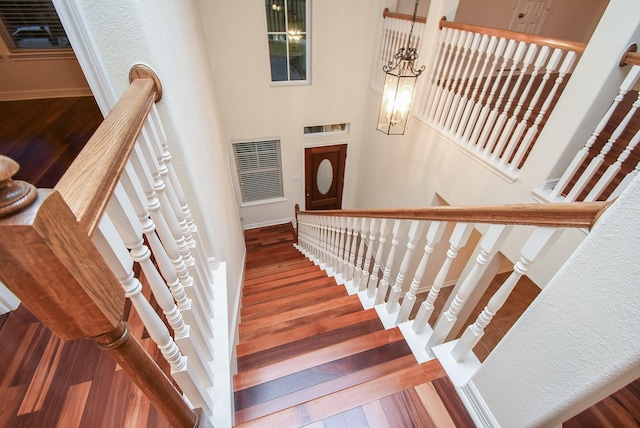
(380, 277)
(491, 90)
(68, 254)
(610, 158)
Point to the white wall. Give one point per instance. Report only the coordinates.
(578, 341)
(342, 40)
(129, 32)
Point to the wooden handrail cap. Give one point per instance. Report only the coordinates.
(14, 195)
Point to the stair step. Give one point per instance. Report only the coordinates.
(273, 294)
(317, 357)
(325, 325)
(292, 302)
(277, 268)
(292, 319)
(297, 347)
(319, 408)
(270, 281)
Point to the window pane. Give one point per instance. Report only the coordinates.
(32, 24)
(297, 15)
(278, 57)
(275, 16)
(298, 57)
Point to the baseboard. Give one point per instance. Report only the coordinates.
(269, 223)
(476, 406)
(45, 93)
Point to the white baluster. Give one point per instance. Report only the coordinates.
(435, 73)
(458, 239)
(625, 87)
(357, 274)
(344, 270)
(117, 257)
(200, 305)
(596, 162)
(528, 139)
(489, 245)
(464, 43)
(381, 294)
(352, 252)
(613, 170)
(372, 286)
(129, 228)
(540, 240)
(459, 100)
(443, 68)
(624, 183)
(472, 129)
(338, 266)
(394, 297)
(514, 141)
(487, 125)
(508, 130)
(457, 41)
(364, 278)
(436, 229)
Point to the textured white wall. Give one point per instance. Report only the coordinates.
(167, 35)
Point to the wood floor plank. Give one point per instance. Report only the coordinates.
(434, 406)
(355, 418)
(315, 357)
(376, 418)
(404, 409)
(349, 398)
(278, 271)
(452, 401)
(273, 294)
(74, 405)
(259, 287)
(319, 390)
(304, 331)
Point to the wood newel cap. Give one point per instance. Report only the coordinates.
(14, 195)
(142, 71)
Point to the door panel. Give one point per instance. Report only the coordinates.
(324, 177)
(529, 15)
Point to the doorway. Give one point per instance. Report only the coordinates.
(324, 176)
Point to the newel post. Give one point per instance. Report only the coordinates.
(56, 271)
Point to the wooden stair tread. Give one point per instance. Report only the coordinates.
(277, 266)
(293, 348)
(273, 294)
(314, 358)
(271, 322)
(322, 407)
(302, 332)
(280, 282)
(292, 302)
(300, 396)
(269, 273)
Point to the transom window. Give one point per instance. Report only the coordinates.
(31, 24)
(288, 36)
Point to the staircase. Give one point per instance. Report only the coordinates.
(309, 353)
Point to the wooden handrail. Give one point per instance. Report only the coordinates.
(514, 35)
(632, 58)
(574, 214)
(90, 180)
(388, 14)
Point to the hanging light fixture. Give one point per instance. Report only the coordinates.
(399, 84)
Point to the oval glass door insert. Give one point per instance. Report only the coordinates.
(324, 176)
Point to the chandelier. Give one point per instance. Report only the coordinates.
(399, 85)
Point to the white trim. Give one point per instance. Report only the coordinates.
(476, 406)
(262, 202)
(86, 51)
(45, 93)
(40, 55)
(8, 301)
(269, 223)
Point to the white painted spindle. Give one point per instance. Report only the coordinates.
(396, 291)
(381, 294)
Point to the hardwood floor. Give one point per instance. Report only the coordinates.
(310, 355)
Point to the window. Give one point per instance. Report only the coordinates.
(259, 168)
(31, 24)
(288, 36)
(336, 128)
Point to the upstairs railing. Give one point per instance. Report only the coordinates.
(68, 254)
(395, 36)
(491, 91)
(610, 158)
(385, 255)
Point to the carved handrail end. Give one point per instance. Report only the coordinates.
(630, 56)
(14, 195)
(143, 71)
